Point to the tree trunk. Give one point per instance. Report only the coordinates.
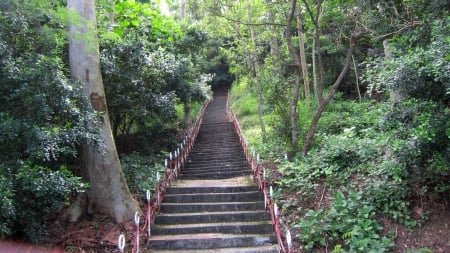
(301, 43)
(399, 94)
(182, 6)
(108, 191)
(318, 85)
(255, 74)
(187, 114)
(314, 68)
(297, 64)
(293, 113)
(322, 106)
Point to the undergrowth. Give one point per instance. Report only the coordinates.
(369, 160)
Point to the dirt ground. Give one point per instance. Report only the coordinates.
(434, 234)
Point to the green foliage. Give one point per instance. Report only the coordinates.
(348, 222)
(423, 151)
(29, 194)
(7, 208)
(390, 156)
(43, 117)
(139, 20)
(244, 103)
(140, 172)
(418, 72)
(421, 250)
(148, 66)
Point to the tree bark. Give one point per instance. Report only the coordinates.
(318, 85)
(187, 114)
(322, 106)
(182, 6)
(301, 43)
(399, 94)
(297, 64)
(108, 191)
(256, 68)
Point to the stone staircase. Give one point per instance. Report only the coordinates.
(214, 206)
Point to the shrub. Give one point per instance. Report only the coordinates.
(29, 195)
(140, 172)
(348, 224)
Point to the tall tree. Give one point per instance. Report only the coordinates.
(316, 49)
(182, 11)
(108, 189)
(301, 43)
(256, 68)
(348, 60)
(297, 71)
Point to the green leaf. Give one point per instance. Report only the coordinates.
(124, 23)
(111, 35)
(447, 58)
(135, 22)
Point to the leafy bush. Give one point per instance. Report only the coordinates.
(29, 195)
(390, 156)
(418, 72)
(140, 172)
(7, 208)
(44, 115)
(363, 118)
(348, 224)
(422, 144)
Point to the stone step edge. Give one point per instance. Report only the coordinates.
(171, 204)
(215, 224)
(212, 194)
(262, 212)
(262, 249)
(200, 236)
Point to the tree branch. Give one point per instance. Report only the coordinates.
(312, 129)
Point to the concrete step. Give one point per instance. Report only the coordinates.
(208, 241)
(259, 249)
(211, 217)
(210, 207)
(222, 175)
(206, 189)
(214, 197)
(262, 227)
(215, 168)
(216, 153)
(217, 164)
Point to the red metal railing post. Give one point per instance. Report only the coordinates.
(262, 183)
(172, 166)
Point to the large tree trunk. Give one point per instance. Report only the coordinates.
(297, 65)
(337, 83)
(108, 191)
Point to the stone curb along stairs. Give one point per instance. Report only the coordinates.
(214, 206)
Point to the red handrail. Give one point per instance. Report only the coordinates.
(172, 167)
(262, 182)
